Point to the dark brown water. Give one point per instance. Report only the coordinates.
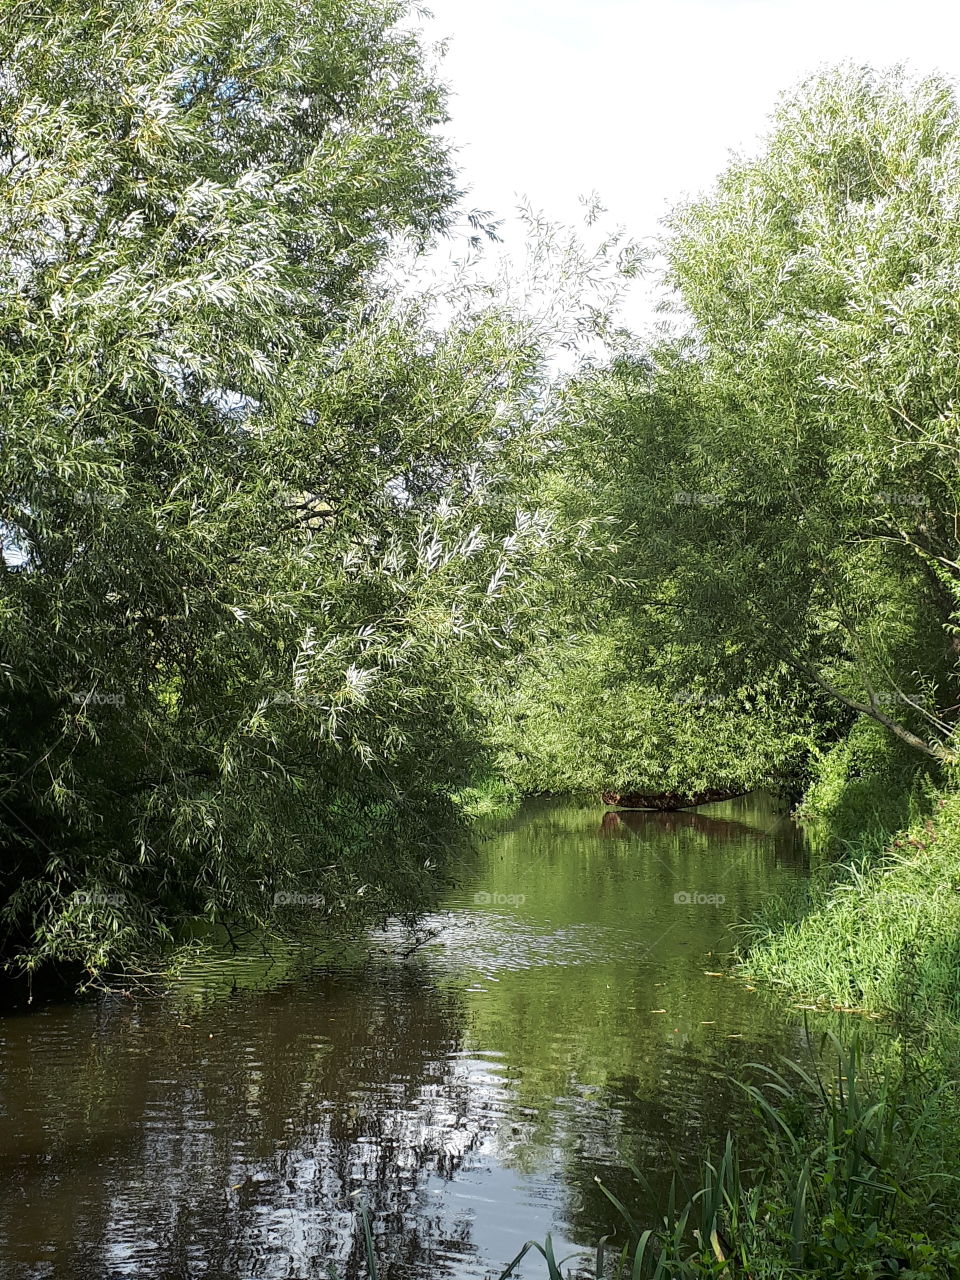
(561, 1024)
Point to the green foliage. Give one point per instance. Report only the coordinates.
(762, 513)
(490, 796)
(811, 273)
(770, 500)
(866, 786)
(883, 934)
(257, 514)
(587, 715)
(625, 688)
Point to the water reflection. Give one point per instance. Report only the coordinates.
(651, 824)
(565, 1019)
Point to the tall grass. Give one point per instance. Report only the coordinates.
(884, 937)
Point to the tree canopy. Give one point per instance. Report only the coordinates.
(250, 497)
(776, 484)
(290, 552)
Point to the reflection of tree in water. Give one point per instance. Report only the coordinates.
(234, 1145)
(664, 1132)
(741, 820)
(235, 1137)
(647, 822)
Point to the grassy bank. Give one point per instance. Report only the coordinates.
(488, 797)
(884, 937)
(878, 928)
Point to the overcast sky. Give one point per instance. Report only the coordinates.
(640, 101)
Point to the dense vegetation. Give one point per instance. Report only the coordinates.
(774, 597)
(252, 498)
(292, 556)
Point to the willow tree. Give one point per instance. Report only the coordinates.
(647, 678)
(249, 510)
(785, 476)
(821, 277)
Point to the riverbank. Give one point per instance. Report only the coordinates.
(861, 1175)
(877, 929)
(883, 935)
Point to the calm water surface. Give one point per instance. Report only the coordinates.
(561, 1023)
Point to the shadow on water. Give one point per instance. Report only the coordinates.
(651, 825)
(568, 1015)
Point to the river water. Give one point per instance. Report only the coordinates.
(558, 1019)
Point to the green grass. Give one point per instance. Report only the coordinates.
(865, 787)
(876, 929)
(490, 797)
(884, 935)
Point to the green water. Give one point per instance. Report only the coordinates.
(554, 1021)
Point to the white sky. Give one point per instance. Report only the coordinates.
(641, 101)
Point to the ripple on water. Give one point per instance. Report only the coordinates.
(488, 943)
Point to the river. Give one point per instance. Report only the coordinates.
(563, 1015)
